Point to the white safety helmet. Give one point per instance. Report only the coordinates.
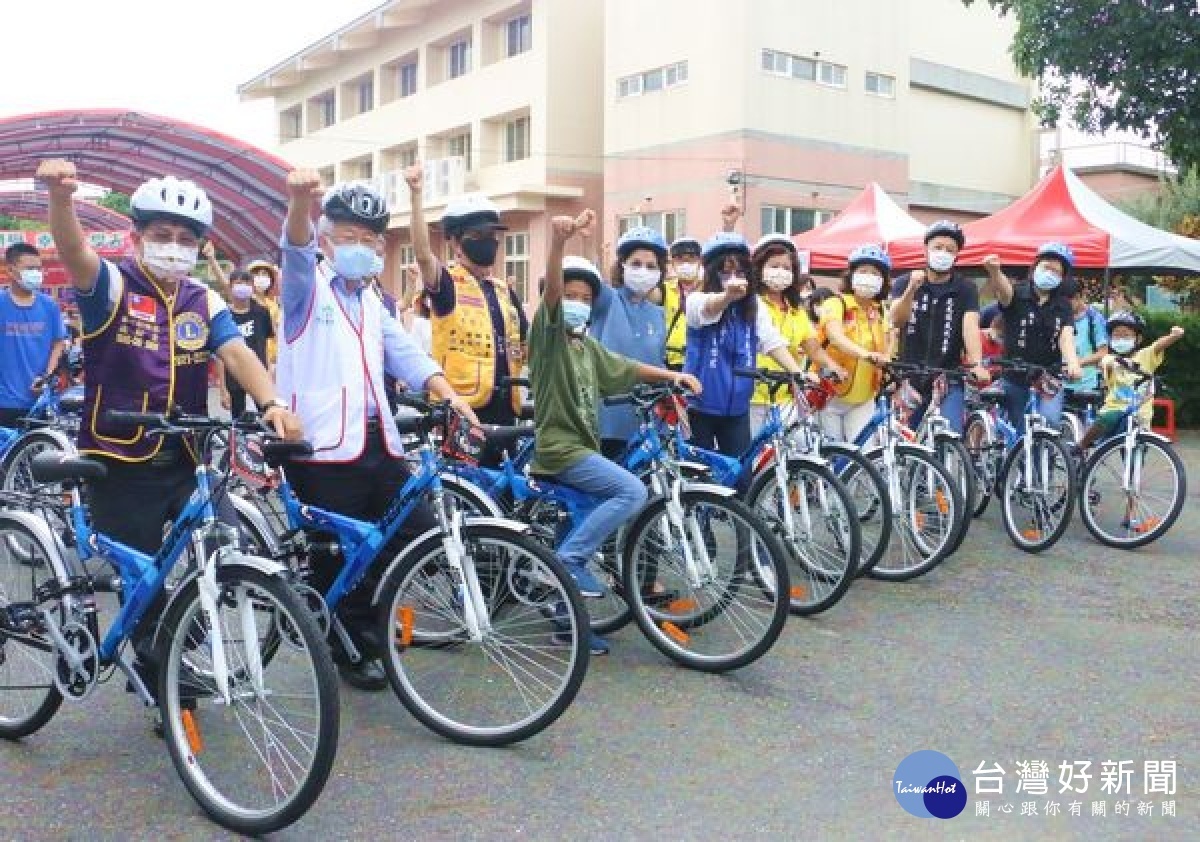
(174, 200)
(473, 210)
(580, 268)
(773, 240)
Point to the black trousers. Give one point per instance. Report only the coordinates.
(362, 489)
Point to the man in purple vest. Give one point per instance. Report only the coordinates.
(148, 332)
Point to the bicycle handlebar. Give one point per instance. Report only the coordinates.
(645, 394)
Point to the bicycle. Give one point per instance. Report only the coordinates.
(927, 504)
(237, 655)
(482, 630)
(1031, 473)
(49, 426)
(1079, 413)
(1116, 483)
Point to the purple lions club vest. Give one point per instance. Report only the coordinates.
(149, 357)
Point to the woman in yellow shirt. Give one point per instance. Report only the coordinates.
(854, 326)
(777, 278)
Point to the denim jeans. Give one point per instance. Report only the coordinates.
(623, 496)
(1016, 395)
(953, 406)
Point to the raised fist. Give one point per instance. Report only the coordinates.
(57, 176)
(303, 185)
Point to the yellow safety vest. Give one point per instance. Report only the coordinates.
(676, 321)
(866, 329)
(796, 327)
(464, 344)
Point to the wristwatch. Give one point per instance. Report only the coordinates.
(273, 402)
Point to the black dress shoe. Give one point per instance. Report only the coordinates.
(366, 675)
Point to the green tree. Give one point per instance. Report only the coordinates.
(1176, 207)
(1132, 65)
(13, 223)
(114, 200)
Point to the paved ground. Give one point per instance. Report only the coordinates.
(1080, 654)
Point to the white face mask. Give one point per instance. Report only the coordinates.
(262, 282)
(641, 279)
(777, 278)
(170, 259)
(940, 261)
(866, 284)
(687, 271)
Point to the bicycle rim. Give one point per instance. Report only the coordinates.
(523, 672)
(1135, 517)
(728, 613)
(924, 511)
(1038, 501)
(259, 762)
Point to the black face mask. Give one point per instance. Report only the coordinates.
(481, 252)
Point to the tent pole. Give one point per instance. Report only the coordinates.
(1105, 293)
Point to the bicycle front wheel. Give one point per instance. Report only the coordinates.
(824, 541)
(29, 697)
(1038, 493)
(1128, 509)
(868, 494)
(725, 572)
(952, 453)
(257, 763)
(986, 454)
(524, 666)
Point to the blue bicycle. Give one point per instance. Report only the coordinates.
(702, 575)
(49, 426)
(245, 686)
(1032, 474)
(481, 629)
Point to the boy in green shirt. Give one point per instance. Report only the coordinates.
(569, 373)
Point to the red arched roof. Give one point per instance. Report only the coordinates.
(25, 204)
(120, 149)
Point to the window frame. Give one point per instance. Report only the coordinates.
(402, 77)
(524, 35)
(519, 129)
(891, 80)
(463, 47)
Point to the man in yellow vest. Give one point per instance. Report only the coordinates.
(478, 323)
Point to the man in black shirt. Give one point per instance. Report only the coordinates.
(936, 312)
(254, 322)
(1039, 327)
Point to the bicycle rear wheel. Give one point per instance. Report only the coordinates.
(986, 454)
(28, 695)
(729, 611)
(926, 505)
(1038, 501)
(528, 665)
(1126, 519)
(259, 762)
(952, 453)
(868, 493)
(827, 543)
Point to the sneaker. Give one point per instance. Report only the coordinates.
(589, 586)
(598, 645)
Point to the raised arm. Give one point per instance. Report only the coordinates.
(562, 228)
(83, 264)
(998, 282)
(414, 176)
(901, 307)
(220, 279)
(1164, 342)
(303, 187)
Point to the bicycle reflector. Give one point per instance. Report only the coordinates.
(247, 461)
(672, 411)
(463, 442)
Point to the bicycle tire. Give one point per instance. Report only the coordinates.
(952, 453)
(946, 503)
(759, 566)
(986, 456)
(437, 635)
(22, 555)
(819, 580)
(1090, 472)
(182, 639)
(1036, 538)
(856, 470)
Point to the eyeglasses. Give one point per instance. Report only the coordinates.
(349, 238)
(162, 236)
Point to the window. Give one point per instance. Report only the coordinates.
(775, 62)
(880, 85)
(322, 111)
(795, 67)
(791, 221)
(516, 263)
(291, 125)
(406, 157)
(519, 36)
(668, 223)
(366, 93)
(326, 174)
(516, 139)
(458, 59)
(406, 85)
(459, 146)
(657, 79)
(833, 75)
(804, 68)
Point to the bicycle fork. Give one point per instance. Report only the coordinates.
(462, 571)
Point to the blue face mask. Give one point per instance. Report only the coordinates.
(1045, 280)
(31, 279)
(353, 262)
(576, 314)
(1123, 345)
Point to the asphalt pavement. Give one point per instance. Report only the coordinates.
(1080, 654)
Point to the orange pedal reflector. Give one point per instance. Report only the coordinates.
(192, 732)
(404, 616)
(676, 634)
(919, 517)
(942, 504)
(1147, 525)
(799, 591)
(1031, 534)
(794, 497)
(678, 606)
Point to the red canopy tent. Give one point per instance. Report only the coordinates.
(1061, 208)
(871, 218)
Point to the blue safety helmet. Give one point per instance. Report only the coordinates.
(1059, 251)
(723, 243)
(946, 228)
(870, 253)
(642, 238)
